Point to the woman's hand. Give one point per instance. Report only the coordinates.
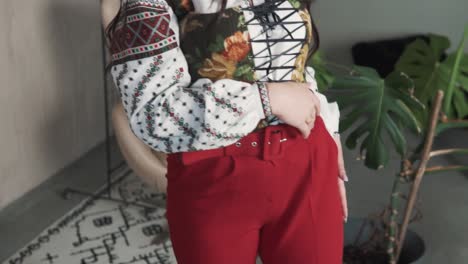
(342, 177)
(295, 104)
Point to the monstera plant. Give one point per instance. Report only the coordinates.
(409, 100)
(426, 64)
(387, 107)
(377, 106)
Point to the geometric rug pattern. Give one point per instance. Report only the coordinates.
(101, 231)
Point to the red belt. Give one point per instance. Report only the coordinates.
(267, 143)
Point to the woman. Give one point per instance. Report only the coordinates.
(254, 156)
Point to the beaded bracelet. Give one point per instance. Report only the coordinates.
(265, 99)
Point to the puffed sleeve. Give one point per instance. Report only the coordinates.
(329, 112)
(166, 109)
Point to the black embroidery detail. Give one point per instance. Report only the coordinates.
(266, 14)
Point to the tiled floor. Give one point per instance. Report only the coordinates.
(444, 202)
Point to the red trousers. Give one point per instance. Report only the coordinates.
(273, 193)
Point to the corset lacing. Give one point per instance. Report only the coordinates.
(264, 15)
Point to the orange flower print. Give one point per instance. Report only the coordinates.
(218, 67)
(186, 4)
(237, 46)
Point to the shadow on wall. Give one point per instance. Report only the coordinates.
(74, 39)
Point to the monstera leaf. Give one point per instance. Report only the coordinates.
(423, 63)
(385, 105)
(456, 103)
(457, 106)
(323, 75)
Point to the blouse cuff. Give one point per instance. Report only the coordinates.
(333, 117)
(264, 96)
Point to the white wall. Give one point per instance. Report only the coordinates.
(51, 109)
(344, 22)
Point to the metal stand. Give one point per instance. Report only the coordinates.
(107, 195)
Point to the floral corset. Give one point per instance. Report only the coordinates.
(196, 80)
(269, 42)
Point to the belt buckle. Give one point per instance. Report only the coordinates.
(270, 141)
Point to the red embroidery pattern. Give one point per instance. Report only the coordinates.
(232, 107)
(144, 33)
(139, 89)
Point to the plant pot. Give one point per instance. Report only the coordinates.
(413, 247)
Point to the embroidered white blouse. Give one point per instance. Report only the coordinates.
(171, 112)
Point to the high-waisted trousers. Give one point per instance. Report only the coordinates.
(273, 193)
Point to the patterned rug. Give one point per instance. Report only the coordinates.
(103, 231)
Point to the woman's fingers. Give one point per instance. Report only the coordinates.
(341, 168)
(341, 165)
(310, 119)
(344, 201)
(304, 128)
(314, 98)
(306, 125)
(341, 177)
(316, 104)
(293, 106)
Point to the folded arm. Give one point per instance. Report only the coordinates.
(166, 109)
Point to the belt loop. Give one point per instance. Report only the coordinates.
(268, 143)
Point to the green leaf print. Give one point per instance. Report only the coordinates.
(295, 3)
(197, 65)
(241, 23)
(217, 45)
(198, 52)
(242, 70)
(249, 77)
